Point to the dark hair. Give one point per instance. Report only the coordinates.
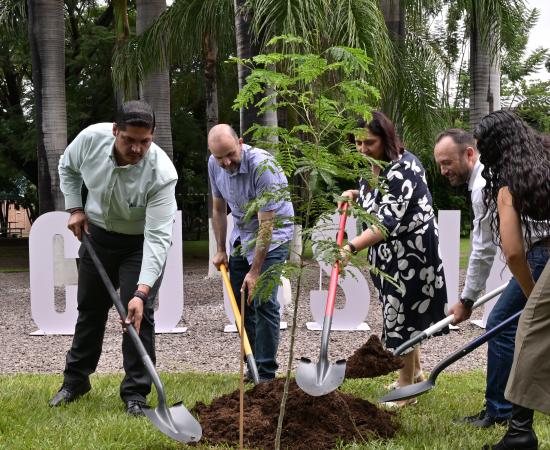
(382, 127)
(136, 113)
(460, 137)
(515, 156)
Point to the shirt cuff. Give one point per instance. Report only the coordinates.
(73, 201)
(470, 293)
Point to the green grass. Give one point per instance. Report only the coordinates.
(97, 421)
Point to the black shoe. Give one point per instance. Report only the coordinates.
(68, 394)
(520, 434)
(483, 420)
(135, 408)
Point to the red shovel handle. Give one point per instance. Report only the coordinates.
(333, 284)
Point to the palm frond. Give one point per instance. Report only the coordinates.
(178, 36)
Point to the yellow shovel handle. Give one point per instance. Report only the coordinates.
(236, 312)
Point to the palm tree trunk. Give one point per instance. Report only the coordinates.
(247, 48)
(210, 47)
(248, 116)
(122, 34)
(484, 74)
(394, 17)
(46, 37)
(155, 88)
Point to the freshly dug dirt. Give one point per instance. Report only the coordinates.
(310, 422)
(372, 360)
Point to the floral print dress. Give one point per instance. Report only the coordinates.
(410, 252)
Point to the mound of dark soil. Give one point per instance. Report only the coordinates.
(372, 360)
(310, 422)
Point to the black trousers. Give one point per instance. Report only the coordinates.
(121, 255)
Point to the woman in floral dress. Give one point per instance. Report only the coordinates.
(408, 251)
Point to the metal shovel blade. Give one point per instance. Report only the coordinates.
(176, 422)
(321, 378)
(410, 391)
(420, 388)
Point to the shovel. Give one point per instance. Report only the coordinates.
(247, 350)
(446, 321)
(413, 390)
(175, 422)
(323, 377)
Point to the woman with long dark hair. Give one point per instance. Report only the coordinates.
(517, 194)
(409, 251)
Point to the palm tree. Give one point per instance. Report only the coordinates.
(188, 31)
(404, 69)
(411, 98)
(128, 89)
(490, 25)
(155, 88)
(46, 37)
(248, 45)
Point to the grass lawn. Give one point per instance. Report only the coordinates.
(97, 421)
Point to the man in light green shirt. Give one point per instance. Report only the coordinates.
(128, 217)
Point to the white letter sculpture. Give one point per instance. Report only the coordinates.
(41, 271)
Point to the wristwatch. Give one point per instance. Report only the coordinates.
(352, 248)
(467, 302)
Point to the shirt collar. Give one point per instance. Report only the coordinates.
(478, 167)
(110, 152)
(243, 167)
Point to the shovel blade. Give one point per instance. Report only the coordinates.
(175, 422)
(410, 391)
(320, 379)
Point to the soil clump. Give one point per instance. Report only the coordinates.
(372, 360)
(310, 422)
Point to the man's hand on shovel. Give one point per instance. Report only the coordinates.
(135, 314)
(135, 308)
(78, 223)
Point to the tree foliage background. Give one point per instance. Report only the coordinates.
(420, 68)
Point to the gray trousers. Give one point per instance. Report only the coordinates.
(529, 381)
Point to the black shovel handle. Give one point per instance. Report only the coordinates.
(146, 359)
(472, 345)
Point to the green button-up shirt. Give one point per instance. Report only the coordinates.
(131, 199)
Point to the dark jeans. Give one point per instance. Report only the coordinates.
(500, 352)
(121, 255)
(261, 319)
